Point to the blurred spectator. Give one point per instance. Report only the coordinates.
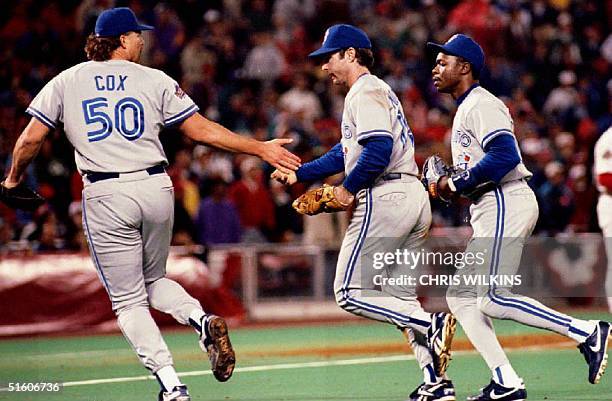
(169, 39)
(185, 189)
(265, 61)
(6, 236)
(301, 103)
(287, 221)
(556, 200)
(562, 99)
(75, 237)
(210, 164)
(253, 202)
(585, 197)
(217, 221)
(44, 232)
(186, 199)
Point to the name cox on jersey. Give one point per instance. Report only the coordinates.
(110, 82)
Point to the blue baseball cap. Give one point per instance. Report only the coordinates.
(117, 21)
(462, 46)
(342, 36)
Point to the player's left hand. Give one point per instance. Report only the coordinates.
(274, 153)
(19, 196)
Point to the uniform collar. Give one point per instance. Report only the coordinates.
(357, 83)
(362, 75)
(461, 98)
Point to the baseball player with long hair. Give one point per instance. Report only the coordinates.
(376, 153)
(603, 176)
(487, 156)
(113, 110)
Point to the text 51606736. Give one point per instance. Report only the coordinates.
(33, 387)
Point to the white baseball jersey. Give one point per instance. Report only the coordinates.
(481, 117)
(372, 109)
(112, 113)
(603, 164)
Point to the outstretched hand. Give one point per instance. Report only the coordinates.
(286, 179)
(274, 153)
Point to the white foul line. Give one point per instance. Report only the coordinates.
(284, 366)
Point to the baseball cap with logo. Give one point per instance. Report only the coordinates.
(462, 46)
(342, 36)
(117, 21)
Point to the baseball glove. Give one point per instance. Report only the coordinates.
(20, 197)
(435, 168)
(319, 200)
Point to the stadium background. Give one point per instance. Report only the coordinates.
(244, 63)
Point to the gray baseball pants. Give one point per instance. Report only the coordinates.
(128, 224)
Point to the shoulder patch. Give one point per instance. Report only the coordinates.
(178, 92)
(346, 131)
(465, 140)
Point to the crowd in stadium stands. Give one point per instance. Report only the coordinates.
(245, 64)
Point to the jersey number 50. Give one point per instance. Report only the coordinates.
(129, 118)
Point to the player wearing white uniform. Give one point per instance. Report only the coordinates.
(113, 110)
(376, 153)
(484, 146)
(603, 176)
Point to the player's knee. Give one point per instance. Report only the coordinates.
(124, 306)
(487, 306)
(341, 298)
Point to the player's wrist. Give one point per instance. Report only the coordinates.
(343, 195)
(446, 188)
(9, 182)
(259, 149)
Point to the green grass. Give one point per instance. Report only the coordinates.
(552, 375)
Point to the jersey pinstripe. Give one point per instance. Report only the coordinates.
(112, 113)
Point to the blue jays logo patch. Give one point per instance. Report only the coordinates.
(178, 92)
(465, 140)
(346, 131)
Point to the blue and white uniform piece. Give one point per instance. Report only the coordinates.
(112, 113)
(501, 219)
(484, 146)
(396, 208)
(376, 154)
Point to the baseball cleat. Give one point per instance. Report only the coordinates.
(595, 351)
(217, 344)
(178, 393)
(443, 391)
(439, 340)
(497, 392)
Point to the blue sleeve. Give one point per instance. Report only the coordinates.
(373, 161)
(501, 156)
(330, 163)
